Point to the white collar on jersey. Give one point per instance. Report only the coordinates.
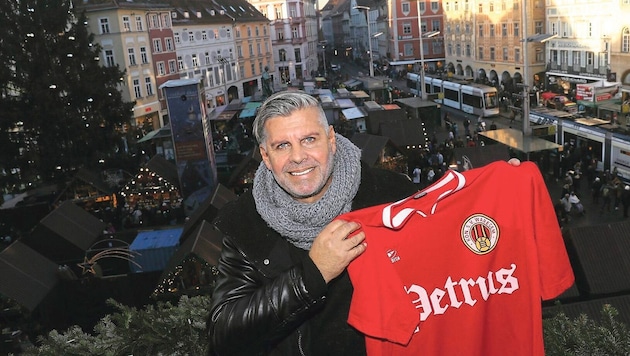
(444, 187)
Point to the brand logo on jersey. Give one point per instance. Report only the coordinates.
(480, 233)
(393, 256)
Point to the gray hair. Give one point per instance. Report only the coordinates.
(283, 104)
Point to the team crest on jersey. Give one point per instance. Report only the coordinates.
(480, 233)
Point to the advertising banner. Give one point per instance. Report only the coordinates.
(193, 148)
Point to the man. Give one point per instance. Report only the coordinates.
(282, 287)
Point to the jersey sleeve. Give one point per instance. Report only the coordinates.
(556, 274)
(380, 307)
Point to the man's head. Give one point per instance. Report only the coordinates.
(296, 143)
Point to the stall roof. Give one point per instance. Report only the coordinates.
(352, 83)
(222, 114)
(345, 103)
(372, 105)
(416, 102)
(343, 92)
(591, 121)
(250, 109)
(146, 240)
(360, 94)
(391, 107)
(25, 275)
(353, 113)
(515, 139)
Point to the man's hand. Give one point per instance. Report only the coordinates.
(333, 250)
(515, 162)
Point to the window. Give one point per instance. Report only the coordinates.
(263, 10)
(491, 6)
(480, 53)
(449, 49)
(148, 86)
(405, 8)
(195, 61)
(177, 38)
(161, 68)
(435, 6)
(258, 49)
(540, 55)
(480, 8)
(408, 48)
(104, 25)
(204, 35)
(155, 21)
(251, 50)
(249, 31)
(136, 89)
(239, 51)
(180, 63)
(172, 68)
(132, 56)
(191, 36)
(422, 6)
(139, 25)
(625, 40)
(206, 58)
(144, 58)
(504, 29)
(166, 21)
(517, 29)
(109, 58)
(169, 44)
(468, 50)
(492, 53)
(517, 55)
(126, 24)
(480, 30)
(491, 30)
(458, 50)
(538, 27)
(577, 58)
(280, 35)
(278, 12)
(435, 25)
(590, 59)
(257, 31)
(157, 45)
(282, 55)
(295, 32)
(505, 53)
(406, 28)
(292, 10)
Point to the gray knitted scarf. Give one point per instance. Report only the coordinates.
(301, 222)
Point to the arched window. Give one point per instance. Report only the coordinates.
(625, 40)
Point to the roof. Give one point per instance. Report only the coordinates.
(89, 177)
(190, 12)
(164, 168)
(66, 233)
(208, 210)
(371, 146)
(155, 239)
(598, 250)
(25, 275)
(515, 139)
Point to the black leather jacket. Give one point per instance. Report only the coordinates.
(270, 298)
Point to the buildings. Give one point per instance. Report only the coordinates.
(226, 43)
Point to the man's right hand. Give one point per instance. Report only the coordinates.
(333, 249)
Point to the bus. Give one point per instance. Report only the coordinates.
(472, 98)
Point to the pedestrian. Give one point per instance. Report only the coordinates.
(606, 197)
(282, 286)
(625, 200)
(596, 190)
(417, 176)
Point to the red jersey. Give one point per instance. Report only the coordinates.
(461, 267)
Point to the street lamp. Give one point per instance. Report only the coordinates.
(367, 17)
(538, 38)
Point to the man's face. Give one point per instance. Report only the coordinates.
(299, 153)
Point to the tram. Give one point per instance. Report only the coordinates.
(477, 99)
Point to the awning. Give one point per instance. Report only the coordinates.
(360, 94)
(159, 133)
(587, 103)
(221, 114)
(320, 79)
(250, 110)
(353, 113)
